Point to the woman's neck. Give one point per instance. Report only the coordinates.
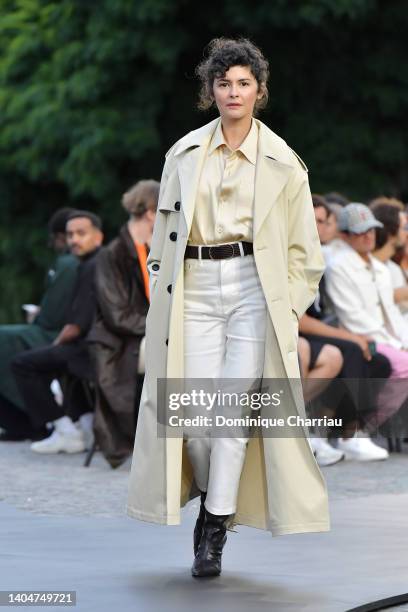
(235, 131)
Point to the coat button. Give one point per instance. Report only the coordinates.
(155, 267)
(167, 342)
(169, 288)
(173, 236)
(177, 205)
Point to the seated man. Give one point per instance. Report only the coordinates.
(358, 364)
(34, 370)
(122, 288)
(359, 287)
(41, 332)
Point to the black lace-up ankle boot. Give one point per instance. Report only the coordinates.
(207, 561)
(198, 529)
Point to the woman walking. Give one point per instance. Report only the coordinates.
(235, 261)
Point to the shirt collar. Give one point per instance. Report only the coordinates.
(358, 260)
(89, 255)
(249, 147)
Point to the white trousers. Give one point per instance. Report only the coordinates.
(224, 338)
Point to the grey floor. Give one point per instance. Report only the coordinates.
(62, 527)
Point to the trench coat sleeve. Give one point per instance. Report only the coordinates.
(305, 259)
(112, 294)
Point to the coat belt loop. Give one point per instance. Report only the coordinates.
(200, 256)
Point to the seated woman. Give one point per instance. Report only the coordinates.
(117, 336)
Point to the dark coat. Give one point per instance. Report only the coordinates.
(15, 339)
(115, 339)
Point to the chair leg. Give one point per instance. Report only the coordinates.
(88, 392)
(398, 445)
(390, 445)
(90, 454)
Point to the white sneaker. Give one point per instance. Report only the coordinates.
(325, 453)
(85, 424)
(362, 448)
(60, 442)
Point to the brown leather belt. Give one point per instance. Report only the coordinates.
(219, 251)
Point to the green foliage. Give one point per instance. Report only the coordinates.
(92, 93)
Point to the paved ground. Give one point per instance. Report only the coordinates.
(59, 484)
(62, 527)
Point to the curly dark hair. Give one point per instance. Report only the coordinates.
(222, 54)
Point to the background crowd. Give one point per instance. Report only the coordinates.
(75, 371)
(71, 377)
(356, 329)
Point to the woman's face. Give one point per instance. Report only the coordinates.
(236, 92)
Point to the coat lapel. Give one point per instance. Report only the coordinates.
(189, 170)
(273, 170)
(190, 153)
(271, 177)
(274, 167)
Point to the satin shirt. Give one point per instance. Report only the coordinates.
(225, 197)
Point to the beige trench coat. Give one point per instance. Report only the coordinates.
(281, 488)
